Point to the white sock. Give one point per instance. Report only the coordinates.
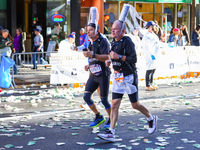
(112, 131)
(150, 118)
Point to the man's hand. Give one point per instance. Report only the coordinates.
(38, 49)
(14, 50)
(6, 44)
(86, 67)
(114, 55)
(108, 62)
(75, 48)
(88, 53)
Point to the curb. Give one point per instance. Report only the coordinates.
(41, 114)
(78, 110)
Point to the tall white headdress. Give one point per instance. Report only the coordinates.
(134, 16)
(94, 17)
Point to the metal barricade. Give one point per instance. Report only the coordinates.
(33, 64)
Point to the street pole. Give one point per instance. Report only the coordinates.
(193, 17)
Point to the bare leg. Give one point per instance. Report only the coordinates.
(141, 108)
(94, 108)
(99, 92)
(109, 112)
(114, 112)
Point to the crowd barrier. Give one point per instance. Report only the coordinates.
(24, 65)
(68, 69)
(177, 62)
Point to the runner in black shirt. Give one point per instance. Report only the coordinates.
(125, 80)
(98, 53)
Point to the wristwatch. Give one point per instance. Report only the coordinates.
(120, 56)
(93, 55)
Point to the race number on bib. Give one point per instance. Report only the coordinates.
(119, 77)
(96, 69)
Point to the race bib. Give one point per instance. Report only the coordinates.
(96, 69)
(119, 77)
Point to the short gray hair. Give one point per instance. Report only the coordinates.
(120, 23)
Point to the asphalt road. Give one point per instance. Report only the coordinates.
(176, 107)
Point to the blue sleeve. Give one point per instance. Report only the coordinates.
(194, 37)
(171, 38)
(86, 42)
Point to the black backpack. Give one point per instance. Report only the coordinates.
(122, 46)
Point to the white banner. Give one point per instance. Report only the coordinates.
(194, 60)
(68, 69)
(170, 62)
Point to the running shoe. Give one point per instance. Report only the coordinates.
(108, 136)
(107, 126)
(97, 121)
(153, 124)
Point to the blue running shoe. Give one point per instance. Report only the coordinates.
(107, 126)
(97, 121)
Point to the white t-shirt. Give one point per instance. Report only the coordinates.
(65, 47)
(38, 39)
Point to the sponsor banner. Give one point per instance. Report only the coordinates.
(170, 62)
(194, 61)
(68, 69)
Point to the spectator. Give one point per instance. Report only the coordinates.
(175, 37)
(195, 36)
(87, 41)
(171, 32)
(150, 43)
(37, 47)
(159, 31)
(57, 29)
(18, 47)
(185, 33)
(82, 36)
(135, 38)
(5, 43)
(66, 46)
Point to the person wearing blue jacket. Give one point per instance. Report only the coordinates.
(195, 36)
(175, 37)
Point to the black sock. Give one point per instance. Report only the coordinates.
(98, 115)
(109, 121)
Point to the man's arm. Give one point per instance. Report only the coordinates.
(100, 57)
(41, 42)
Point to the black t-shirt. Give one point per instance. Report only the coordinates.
(126, 47)
(100, 46)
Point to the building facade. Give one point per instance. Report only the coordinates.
(54, 17)
(58, 18)
(169, 13)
